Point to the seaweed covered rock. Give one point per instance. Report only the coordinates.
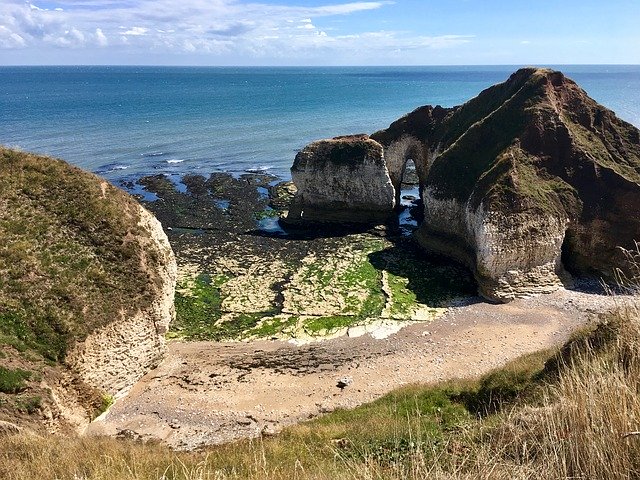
(344, 179)
(87, 280)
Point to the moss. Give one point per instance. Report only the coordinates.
(13, 380)
(238, 326)
(266, 213)
(416, 277)
(269, 327)
(198, 306)
(318, 325)
(106, 401)
(403, 300)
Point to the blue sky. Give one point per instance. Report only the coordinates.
(315, 32)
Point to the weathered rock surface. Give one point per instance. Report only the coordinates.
(87, 280)
(530, 176)
(114, 357)
(344, 179)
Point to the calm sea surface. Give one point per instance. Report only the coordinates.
(125, 122)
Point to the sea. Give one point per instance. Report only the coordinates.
(125, 122)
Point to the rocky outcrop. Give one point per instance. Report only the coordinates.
(344, 179)
(87, 280)
(528, 178)
(115, 356)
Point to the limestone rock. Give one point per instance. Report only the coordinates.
(529, 177)
(532, 174)
(344, 179)
(114, 357)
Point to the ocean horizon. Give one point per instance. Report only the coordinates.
(124, 122)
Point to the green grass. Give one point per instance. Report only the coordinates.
(403, 434)
(13, 380)
(30, 404)
(552, 414)
(69, 256)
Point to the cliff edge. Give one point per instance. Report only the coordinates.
(86, 291)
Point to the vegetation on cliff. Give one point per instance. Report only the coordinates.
(70, 262)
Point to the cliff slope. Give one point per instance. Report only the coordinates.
(87, 279)
(533, 174)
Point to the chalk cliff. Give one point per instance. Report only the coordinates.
(87, 280)
(344, 179)
(529, 177)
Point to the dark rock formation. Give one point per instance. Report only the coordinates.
(530, 176)
(344, 179)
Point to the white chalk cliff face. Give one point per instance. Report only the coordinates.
(529, 174)
(512, 255)
(344, 179)
(114, 357)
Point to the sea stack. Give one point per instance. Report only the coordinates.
(529, 179)
(343, 179)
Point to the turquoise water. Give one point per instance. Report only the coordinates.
(125, 122)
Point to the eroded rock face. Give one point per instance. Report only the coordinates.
(86, 289)
(541, 176)
(114, 357)
(344, 179)
(529, 176)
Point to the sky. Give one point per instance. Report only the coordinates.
(318, 32)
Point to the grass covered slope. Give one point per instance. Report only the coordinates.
(68, 258)
(538, 144)
(73, 258)
(539, 112)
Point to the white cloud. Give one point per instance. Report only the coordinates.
(101, 38)
(9, 39)
(136, 31)
(242, 29)
(347, 8)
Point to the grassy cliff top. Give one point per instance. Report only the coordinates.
(346, 151)
(539, 112)
(70, 259)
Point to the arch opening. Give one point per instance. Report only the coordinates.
(409, 202)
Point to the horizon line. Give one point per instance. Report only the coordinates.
(318, 66)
